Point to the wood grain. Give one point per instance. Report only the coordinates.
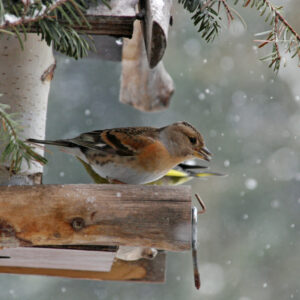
(148, 216)
(115, 21)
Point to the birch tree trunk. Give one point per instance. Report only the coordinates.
(25, 77)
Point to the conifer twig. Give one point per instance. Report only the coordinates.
(52, 19)
(207, 17)
(15, 151)
(7, 24)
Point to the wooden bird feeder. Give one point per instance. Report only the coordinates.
(145, 83)
(114, 21)
(60, 230)
(80, 218)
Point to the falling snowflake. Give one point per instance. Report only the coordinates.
(251, 184)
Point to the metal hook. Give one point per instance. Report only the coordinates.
(194, 248)
(195, 213)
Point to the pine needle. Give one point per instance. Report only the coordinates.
(15, 151)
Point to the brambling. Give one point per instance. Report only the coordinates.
(135, 155)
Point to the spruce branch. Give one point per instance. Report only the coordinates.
(31, 18)
(15, 151)
(281, 35)
(53, 19)
(207, 15)
(228, 10)
(262, 4)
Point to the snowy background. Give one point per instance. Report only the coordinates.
(249, 239)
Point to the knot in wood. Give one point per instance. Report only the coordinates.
(6, 230)
(78, 224)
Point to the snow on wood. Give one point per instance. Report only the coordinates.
(115, 21)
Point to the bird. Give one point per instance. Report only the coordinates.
(181, 174)
(135, 155)
(184, 173)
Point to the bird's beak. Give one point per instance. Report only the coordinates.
(203, 153)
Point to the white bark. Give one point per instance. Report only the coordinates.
(142, 87)
(22, 87)
(155, 28)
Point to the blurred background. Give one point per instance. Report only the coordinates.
(249, 239)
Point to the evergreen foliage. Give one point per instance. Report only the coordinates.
(52, 19)
(15, 151)
(207, 15)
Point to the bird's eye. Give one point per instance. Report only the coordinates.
(193, 140)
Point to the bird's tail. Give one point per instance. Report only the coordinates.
(62, 143)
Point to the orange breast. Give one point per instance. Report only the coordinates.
(155, 157)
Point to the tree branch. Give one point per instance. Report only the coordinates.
(25, 20)
(15, 150)
(281, 18)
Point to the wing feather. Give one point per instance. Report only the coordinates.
(121, 141)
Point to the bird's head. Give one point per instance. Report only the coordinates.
(182, 139)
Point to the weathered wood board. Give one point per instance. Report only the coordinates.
(93, 214)
(116, 21)
(142, 270)
(57, 259)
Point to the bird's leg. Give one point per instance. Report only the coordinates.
(114, 181)
(65, 150)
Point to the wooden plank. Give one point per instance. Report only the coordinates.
(143, 270)
(100, 261)
(117, 21)
(146, 216)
